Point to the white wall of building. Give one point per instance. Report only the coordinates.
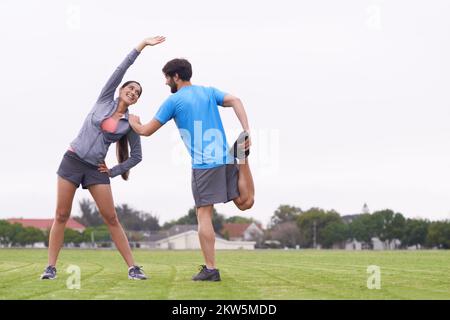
(189, 241)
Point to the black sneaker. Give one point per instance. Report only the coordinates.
(237, 151)
(136, 273)
(207, 275)
(49, 273)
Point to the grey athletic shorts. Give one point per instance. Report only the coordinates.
(78, 171)
(215, 185)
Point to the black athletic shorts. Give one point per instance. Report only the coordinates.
(215, 185)
(78, 171)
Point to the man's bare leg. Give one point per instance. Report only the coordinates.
(246, 186)
(206, 235)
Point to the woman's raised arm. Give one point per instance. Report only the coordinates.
(107, 93)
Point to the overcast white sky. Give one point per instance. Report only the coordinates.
(348, 100)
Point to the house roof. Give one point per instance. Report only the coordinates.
(45, 224)
(236, 230)
(180, 228)
(157, 236)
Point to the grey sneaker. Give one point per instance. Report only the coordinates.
(237, 151)
(136, 273)
(49, 273)
(207, 275)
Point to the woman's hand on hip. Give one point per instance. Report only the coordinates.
(104, 169)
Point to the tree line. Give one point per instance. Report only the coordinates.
(16, 235)
(96, 231)
(134, 222)
(289, 226)
(292, 227)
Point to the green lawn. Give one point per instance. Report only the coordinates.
(266, 274)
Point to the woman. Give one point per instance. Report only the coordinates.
(84, 162)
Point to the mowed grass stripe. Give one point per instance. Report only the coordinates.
(268, 274)
(34, 289)
(307, 279)
(291, 287)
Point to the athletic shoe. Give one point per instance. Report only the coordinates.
(238, 151)
(207, 275)
(136, 273)
(49, 273)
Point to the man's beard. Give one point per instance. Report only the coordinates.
(173, 89)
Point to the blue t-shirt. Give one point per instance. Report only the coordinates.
(196, 114)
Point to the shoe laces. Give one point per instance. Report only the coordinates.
(137, 269)
(50, 269)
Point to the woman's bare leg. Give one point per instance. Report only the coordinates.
(65, 193)
(102, 195)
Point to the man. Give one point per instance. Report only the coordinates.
(217, 176)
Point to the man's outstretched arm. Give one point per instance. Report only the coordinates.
(143, 129)
(236, 103)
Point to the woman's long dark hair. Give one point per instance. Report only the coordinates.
(122, 145)
(122, 154)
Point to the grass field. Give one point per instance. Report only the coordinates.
(268, 274)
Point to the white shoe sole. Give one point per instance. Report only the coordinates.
(132, 278)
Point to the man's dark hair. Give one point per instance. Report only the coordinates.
(182, 67)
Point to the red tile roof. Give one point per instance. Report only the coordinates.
(45, 224)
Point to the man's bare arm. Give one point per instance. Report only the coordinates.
(236, 103)
(144, 129)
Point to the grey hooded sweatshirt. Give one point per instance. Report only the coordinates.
(92, 142)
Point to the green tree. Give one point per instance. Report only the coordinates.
(191, 217)
(33, 235)
(362, 228)
(439, 234)
(5, 232)
(98, 234)
(134, 220)
(21, 236)
(388, 225)
(90, 216)
(315, 219)
(335, 232)
(150, 222)
(16, 235)
(72, 236)
(397, 227)
(239, 219)
(285, 213)
(131, 219)
(415, 232)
